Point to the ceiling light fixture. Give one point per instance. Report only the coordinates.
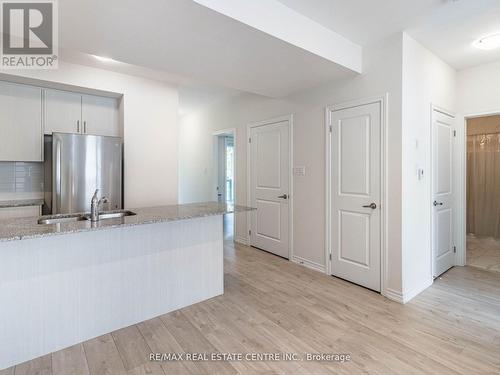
(488, 42)
(105, 59)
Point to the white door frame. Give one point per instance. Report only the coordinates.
(274, 120)
(461, 171)
(456, 193)
(229, 131)
(383, 100)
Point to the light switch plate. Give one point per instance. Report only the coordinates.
(299, 171)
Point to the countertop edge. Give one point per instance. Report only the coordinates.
(21, 203)
(124, 225)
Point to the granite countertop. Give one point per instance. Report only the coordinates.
(21, 202)
(26, 228)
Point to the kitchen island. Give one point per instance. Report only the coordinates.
(64, 283)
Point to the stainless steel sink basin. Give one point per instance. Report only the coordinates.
(115, 214)
(71, 218)
(56, 219)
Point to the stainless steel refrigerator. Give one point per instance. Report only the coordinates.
(75, 166)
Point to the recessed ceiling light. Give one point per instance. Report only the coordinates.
(105, 59)
(488, 42)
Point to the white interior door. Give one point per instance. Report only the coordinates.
(269, 187)
(442, 193)
(355, 191)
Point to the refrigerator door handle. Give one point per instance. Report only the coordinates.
(57, 177)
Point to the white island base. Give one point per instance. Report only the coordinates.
(60, 290)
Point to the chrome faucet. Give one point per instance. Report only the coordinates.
(95, 205)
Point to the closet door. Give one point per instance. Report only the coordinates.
(443, 210)
(355, 208)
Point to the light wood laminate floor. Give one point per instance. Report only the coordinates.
(271, 305)
(483, 252)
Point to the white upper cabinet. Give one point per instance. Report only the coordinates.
(20, 123)
(63, 112)
(69, 112)
(27, 112)
(100, 116)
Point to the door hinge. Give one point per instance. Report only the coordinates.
(249, 232)
(330, 256)
(249, 140)
(330, 128)
(454, 133)
(454, 249)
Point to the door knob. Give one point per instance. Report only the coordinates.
(436, 203)
(371, 205)
(284, 196)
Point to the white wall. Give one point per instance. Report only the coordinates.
(426, 80)
(150, 119)
(196, 156)
(382, 74)
(479, 89)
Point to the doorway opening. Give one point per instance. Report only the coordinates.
(224, 176)
(483, 192)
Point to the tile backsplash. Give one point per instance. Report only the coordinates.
(20, 180)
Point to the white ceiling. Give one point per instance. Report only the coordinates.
(212, 56)
(365, 21)
(190, 40)
(446, 27)
(450, 31)
(77, 57)
(193, 96)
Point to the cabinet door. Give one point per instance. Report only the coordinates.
(100, 116)
(63, 112)
(20, 123)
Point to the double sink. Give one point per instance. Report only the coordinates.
(70, 218)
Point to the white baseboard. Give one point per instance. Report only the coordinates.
(393, 295)
(242, 240)
(416, 291)
(407, 296)
(309, 264)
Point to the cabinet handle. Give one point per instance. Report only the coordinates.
(78, 126)
(85, 126)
